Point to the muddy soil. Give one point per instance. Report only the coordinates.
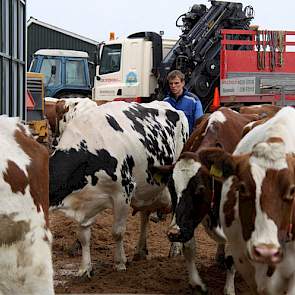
(156, 275)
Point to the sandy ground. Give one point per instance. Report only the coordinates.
(156, 275)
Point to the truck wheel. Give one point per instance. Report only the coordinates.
(202, 86)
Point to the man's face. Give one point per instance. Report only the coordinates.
(176, 86)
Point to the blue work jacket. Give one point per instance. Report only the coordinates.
(189, 104)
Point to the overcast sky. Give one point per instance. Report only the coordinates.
(96, 18)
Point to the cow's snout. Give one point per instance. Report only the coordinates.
(180, 234)
(54, 142)
(266, 253)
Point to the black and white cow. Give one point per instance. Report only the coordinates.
(102, 161)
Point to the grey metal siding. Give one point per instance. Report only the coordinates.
(12, 57)
(40, 37)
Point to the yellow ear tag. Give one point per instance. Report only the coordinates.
(214, 171)
(157, 177)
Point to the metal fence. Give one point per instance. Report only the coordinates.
(12, 57)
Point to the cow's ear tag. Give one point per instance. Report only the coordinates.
(158, 177)
(214, 171)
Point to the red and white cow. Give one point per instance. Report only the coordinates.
(257, 204)
(25, 240)
(194, 198)
(102, 161)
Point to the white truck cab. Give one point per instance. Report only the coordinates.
(126, 68)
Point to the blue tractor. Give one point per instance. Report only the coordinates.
(66, 72)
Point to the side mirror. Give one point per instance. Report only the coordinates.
(53, 70)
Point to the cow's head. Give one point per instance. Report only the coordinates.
(61, 119)
(189, 185)
(55, 111)
(257, 196)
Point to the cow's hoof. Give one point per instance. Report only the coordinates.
(85, 272)
(120, 267)
(140, 255)
(198, 290)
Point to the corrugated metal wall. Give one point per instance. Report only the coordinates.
(40, 37)
(12, 57)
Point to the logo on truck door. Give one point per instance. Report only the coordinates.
(131, 78)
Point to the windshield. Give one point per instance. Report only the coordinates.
(33, 65)
(110, 59)
(75, 72)
(46, 69)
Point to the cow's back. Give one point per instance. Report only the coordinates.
(25, 241)
(223, 128)
(281, 125)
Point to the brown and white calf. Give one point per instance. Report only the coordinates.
(257, 203)
(195, 195)
(25, 240)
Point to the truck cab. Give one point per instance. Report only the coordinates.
(127, 67)
(66, 72)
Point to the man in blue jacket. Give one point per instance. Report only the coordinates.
(183, 100)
